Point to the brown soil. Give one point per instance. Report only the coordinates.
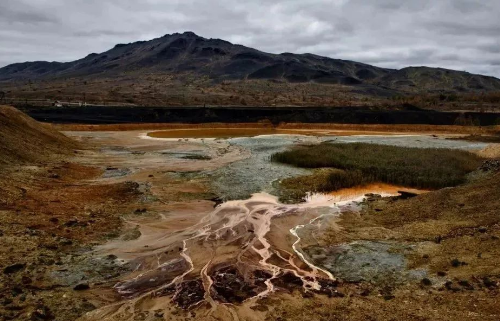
(166, 90)
(24, 140)
(454, 223)
(456, 234)
(50, 210)
(492, 151)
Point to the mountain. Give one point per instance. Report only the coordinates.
(187, 54)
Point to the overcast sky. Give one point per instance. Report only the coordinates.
(456, 34)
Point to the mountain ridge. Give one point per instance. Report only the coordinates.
(187, 53)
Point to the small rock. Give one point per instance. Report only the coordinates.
(307, 294)
(482, 230)
(489, 283)
(426, 282)
(14, 268)
(71, 223)
(449, 286)
(16, 291)
(7, 301)
(87, 306)
(365, 292)
(336, 294)
(466, 284)
(26, 280)
(387, 293)
(441, 273)
(65, 241)
(490, 165)
(54, 220)
(42, 313)
(81, 287)
(405, 195)
(457, 263)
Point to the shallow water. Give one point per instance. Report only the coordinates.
(417, 141)
(227, 132)
(256, 174)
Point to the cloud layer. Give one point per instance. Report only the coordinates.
(456, 34)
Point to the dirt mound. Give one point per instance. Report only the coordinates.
(492, 151)
(26, 141)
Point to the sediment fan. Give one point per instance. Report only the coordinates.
(233, 255)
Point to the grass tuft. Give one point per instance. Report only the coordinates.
(360, 163)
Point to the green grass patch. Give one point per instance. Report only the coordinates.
(360, 163)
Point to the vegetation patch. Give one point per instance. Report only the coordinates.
(349, 165)
(479, 138)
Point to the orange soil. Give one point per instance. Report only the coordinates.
(443, 129)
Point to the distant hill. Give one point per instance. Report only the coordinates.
(178, 55)
(418, 79)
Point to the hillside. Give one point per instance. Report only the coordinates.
(215, 58)
(26, 141)
(186, 69)
(424, 79)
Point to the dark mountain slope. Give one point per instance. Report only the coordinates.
(187, 53)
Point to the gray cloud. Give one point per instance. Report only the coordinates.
(458, 34)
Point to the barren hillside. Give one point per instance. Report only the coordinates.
(26, 141)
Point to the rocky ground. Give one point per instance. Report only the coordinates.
(51, 214)
(431, 257)
(80, 227)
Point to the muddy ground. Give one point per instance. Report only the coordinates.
(101, 236)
